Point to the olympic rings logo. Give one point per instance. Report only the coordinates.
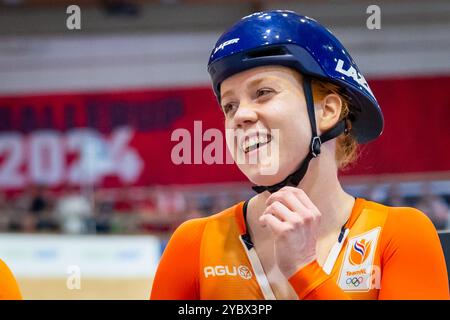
(354, 281)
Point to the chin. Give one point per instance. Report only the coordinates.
(263, 176)
(270, 175)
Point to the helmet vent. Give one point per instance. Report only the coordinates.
(266, 52)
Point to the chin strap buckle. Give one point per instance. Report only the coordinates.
(315, 146)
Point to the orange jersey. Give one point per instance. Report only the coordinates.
(386, 253)
(9, 290)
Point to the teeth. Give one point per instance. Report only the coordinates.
(254, 142)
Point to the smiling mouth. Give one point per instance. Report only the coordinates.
(258, 143)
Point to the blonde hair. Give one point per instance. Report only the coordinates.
(346, 144)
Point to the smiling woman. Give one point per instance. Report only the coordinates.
(302, 236)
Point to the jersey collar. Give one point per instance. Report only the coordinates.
(241, 215)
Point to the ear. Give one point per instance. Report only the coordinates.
(328, 112)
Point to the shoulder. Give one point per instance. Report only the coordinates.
(400, 217)
(4, 268)
(8, 284)
(408, 228)
(194, 228)
(407, 218)
(410, 253)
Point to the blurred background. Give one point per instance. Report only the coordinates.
(88, 187)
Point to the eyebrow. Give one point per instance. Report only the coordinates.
(253, 83)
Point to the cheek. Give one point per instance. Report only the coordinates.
(231, 147)
(231, 139)
(295, 136)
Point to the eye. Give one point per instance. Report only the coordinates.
(263, 92)
(229, 108)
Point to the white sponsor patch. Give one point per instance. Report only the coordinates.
(226, 43)
(357, 267)
(352, 73)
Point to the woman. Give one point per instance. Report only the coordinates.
(302, 236)
(9, 290)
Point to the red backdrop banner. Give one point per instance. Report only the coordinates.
(130, 137)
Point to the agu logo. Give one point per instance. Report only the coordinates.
(359, 252)
(244, 272)
(217, 271)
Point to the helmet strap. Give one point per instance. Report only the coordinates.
(316, 141)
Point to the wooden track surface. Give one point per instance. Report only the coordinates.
(103, 289)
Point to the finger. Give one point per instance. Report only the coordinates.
(300, 193)
(288, 199)
(306, 201)
(275, 225)
(280, 211)
(297, 205)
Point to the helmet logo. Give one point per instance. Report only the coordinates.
(352, 73)
(226, 43)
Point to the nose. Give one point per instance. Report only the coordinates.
(245, 115)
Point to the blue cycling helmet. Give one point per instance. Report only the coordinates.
(285, 38)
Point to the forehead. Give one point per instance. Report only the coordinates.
(257, 75)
